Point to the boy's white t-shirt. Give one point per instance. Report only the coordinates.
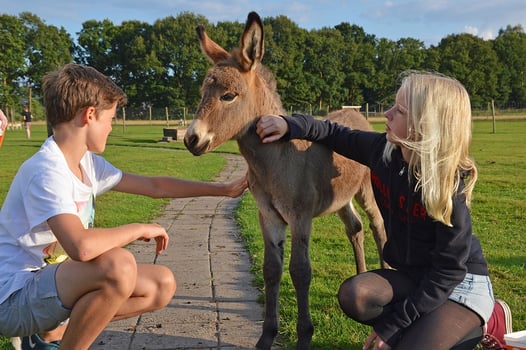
(43, 187)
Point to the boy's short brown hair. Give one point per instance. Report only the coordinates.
(74, 87)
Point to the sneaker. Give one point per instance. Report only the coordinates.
(34, 342)
(500, 323)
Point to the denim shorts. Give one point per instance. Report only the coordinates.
(476, 293)
(34, 308)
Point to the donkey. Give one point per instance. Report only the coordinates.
(292, 182)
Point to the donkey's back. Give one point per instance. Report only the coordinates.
(299, 174)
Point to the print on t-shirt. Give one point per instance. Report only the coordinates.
(54, 253)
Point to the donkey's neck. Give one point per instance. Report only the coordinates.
(260, 157)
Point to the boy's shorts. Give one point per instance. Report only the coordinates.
(34, 308)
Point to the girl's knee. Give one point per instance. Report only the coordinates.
(359, 300)
(347, 297)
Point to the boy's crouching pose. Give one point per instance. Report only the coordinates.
(55, 265)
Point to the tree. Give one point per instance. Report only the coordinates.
(184, 66)
(284, 56)
(324, 66)
(47, 49)
(474, 63)
(95, 46)
(161, 65)
(359, 63)
(137, 65)
(510, 46)
(227, 34)
(12, 60)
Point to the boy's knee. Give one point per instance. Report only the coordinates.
(119, 268)
(166, 286)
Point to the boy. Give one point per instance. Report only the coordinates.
(55, 265)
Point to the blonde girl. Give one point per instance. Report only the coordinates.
(438, 294)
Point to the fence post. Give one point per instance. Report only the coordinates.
(493, 113)
(123, 119)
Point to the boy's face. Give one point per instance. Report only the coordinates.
(100, 129)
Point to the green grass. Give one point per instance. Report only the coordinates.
(498, 211)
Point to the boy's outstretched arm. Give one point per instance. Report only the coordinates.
(171, 187)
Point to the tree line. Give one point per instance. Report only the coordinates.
(160, 65)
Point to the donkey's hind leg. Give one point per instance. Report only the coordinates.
(365, 199)
(354, 231)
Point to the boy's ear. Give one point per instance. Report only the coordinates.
(88, 114)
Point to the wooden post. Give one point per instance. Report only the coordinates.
(493, 113)
(123, 120)
(166, 112)
(150, 112)
(30, 99)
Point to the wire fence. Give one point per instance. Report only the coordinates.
(183, 116)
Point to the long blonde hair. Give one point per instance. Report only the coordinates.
(439, 127)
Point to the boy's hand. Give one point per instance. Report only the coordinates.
(158, 233)
(237, 187)
(271, 128)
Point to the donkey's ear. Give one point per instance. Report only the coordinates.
(213, 51)
(252, 42)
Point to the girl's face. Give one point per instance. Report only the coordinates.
(397, 116)
(101, 129)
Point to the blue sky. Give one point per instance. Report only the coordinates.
(425, 20)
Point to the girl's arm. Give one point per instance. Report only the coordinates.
(350, 143)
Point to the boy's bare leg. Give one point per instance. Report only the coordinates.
(53, 335)
(107, 288)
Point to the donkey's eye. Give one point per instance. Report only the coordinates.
(228, 97)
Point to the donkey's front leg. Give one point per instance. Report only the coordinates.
(273, 230)
(301, 275)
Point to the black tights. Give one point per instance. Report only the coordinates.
(368, 296)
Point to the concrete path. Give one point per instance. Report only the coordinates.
(215, 305)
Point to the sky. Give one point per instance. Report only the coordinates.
(425, 20)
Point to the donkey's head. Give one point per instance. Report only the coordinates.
(236, 90)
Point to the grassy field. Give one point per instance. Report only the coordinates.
(498, 217)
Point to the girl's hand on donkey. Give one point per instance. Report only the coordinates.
(271, 128)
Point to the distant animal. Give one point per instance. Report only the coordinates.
(292, 182)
